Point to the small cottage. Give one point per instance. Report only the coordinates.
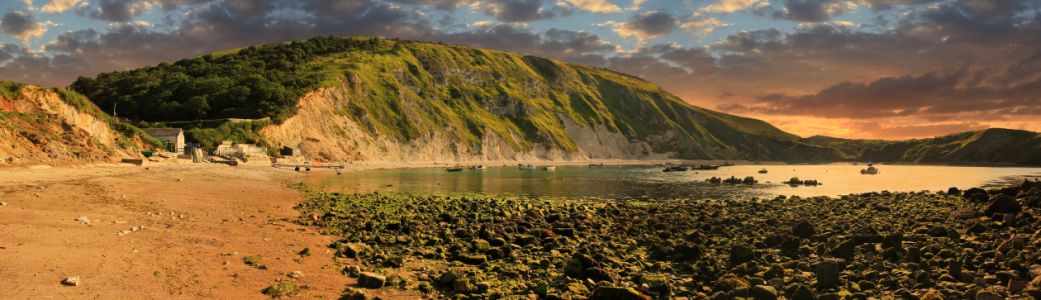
(172, 136)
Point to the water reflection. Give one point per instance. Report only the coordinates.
(647, 182)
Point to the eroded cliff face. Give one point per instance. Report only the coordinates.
(39, 125)
(324, 132)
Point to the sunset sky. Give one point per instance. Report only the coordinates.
(877, 69)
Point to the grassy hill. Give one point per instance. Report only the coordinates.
(990, 146)
(406, 90)
(411, 93)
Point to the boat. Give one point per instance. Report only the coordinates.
(528, 167)
(454, 169)
(871, 170)
(675, 169)
(707, 167)
(480, 168)
(596, 165)
(763, 171)
(549, 168)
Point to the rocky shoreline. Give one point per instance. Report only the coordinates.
(977, 244)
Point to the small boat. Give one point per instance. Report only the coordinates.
(549, 168)
(480, 168)
(528, 167)
(707, 167)
(763, 171)
(596, 165)
(454, 169)
(675, 169)
(871, 170)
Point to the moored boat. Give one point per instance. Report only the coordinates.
(480, 168)
(707, 167)
(763, 171)
(454, 169)
(675, 169)
(528, 167)
(871, 170)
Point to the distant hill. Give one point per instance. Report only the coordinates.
(991, 146)
(48, 125)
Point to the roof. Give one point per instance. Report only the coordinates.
(162, 131)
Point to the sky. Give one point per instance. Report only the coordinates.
(868, 69)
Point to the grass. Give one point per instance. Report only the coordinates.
(252, 260)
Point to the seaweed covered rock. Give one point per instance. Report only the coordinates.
(617, 293)
(804, 229)
(1002, 204)
(371, 280)
(741, 253)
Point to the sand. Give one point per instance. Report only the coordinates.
(228, 213)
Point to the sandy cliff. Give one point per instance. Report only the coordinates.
(41, 125)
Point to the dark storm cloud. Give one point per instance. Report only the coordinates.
(21, 25)
(522, 10)
(807, 10)
(114, 10)
(648, 25)
(440, 4)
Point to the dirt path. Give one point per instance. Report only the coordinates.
(195, 218)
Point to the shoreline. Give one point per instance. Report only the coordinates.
(199, 222)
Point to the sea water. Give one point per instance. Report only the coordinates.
(646, 182)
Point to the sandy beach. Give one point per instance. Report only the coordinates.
(195, 223)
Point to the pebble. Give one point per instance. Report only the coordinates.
(296, 274)
(3, 203)
(83, 220)
(71, 281)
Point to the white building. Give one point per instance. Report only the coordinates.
(174, 136)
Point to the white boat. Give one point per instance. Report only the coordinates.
(549, 168)
(871, 170)
(480, 168)
(528, 167)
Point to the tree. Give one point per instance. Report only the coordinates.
(196, 107)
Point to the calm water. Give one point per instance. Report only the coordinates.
(647, 182)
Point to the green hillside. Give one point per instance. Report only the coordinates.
(405, 89)
(990, 146)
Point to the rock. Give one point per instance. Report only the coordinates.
(762, 292)
(803, 293)
(83, 220)
(866, 285)
(827, 274)
(658, 284)
(1003, 204)
(296, 274)
(988, 295)
(1034, 293)
(1014, 286)
(352, 250)
(360, 294)
(574, 267)
(804, 229)
(938, 231)
(483, 286)
(893, 240)
(3, 203)
(462, 286)
(617, 293)
(741, 253)
(844, 250)
(371, 280)
(71, 281)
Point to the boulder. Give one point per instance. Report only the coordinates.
(741, 253)
(1002, 204)
(988, 295)
(803, 293)
(804, 229)
(617, 293)
(371, 280)
(763, 292)
(71, 281)
(352, 250)
(844, 250)
(828, 274)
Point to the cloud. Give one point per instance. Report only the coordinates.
(440, 4)
(637, 3)
(21, 25)
(483, 23)
(57, 6)
(647, 25)
(726, 6)
(808, 10)
(703, 26)
(520, 10)
(559, 44)
(115, 10)
(599, 6)
(28, 5)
